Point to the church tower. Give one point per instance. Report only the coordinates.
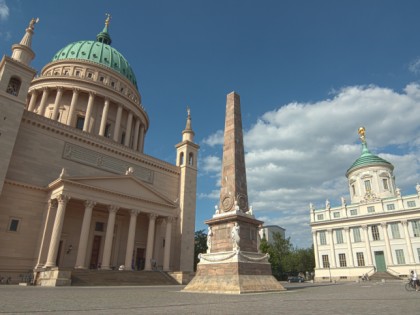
(186, 160)
(15, 78)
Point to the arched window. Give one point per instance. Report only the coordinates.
(14, 86)
(181, 158)
(191, 159)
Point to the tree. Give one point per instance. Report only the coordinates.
(200, 245)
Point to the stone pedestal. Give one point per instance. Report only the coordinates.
(53, 278)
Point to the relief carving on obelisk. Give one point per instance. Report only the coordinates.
(233, 192)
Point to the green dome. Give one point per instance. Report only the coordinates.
(99, 52)
(368, 159)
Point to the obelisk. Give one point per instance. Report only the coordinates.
(233, 263)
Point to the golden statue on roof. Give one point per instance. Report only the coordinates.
(361, 132)
(108, 19)
(33, 22)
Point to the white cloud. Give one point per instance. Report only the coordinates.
(4, 10)
(211, 164)
(299, 153)
(214, 139)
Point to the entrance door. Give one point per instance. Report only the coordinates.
(380, 261)
(94, 258)
(140, 259)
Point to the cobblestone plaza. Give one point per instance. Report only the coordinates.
(306, 298)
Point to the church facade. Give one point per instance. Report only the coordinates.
(377, 232)
(76, 188)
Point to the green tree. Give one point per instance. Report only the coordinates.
(200, 245)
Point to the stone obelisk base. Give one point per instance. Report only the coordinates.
(234, 272)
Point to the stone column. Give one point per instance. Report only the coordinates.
(128, 133)
(48, 224)
(56, 232)
(57, 102)
(84, 235)
(408, 241)
(104, 117)
(168, 238)
(34, 95)
(118, 123)
(136, 135)
(150, 241)
(367, 244)
(73, 103)
(109, 235)
(130, 239)
(89, 111)
(388, 256)
(333, 260)
(351, 260)
(43, 103)
(141, 139)
(316, 254)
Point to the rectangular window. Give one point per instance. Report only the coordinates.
(336, 214)
(342, 259)
(375, 233)
(325, 261)
(371, 209)
(416, 228)
(367, 185)
(80, 121)
(360, 259)
(108, 131)
(322, 238)
(356, 235)
(411, 204)
(385, 183)
(395, 230)
(353, 212)
(13, 225)
(399, 253)
(320, 217)
(339, 236)
(99, 226)
(391, 206)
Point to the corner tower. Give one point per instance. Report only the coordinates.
(186, 160)
(15, 78)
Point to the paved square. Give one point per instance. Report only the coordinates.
(301, 298)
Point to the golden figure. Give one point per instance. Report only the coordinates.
(108, 19)
(362, 131)
(33, 22)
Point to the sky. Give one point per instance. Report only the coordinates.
(309, 74)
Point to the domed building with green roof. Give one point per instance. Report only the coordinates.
(376, 234)
(79, 198)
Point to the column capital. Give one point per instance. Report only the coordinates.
(404, 222)
(63, 199)
(92, 94)
(60, 88)
(152, 216)
(383, 225)
(170, 219)
(89, 203)
(107, 99)
(329, 230)
(53, 203)
(76, 90)
(347, 228)
(134, 212)
(314, 233)
(113, 208)
(364, 227)
(33, 92)
(45, 89)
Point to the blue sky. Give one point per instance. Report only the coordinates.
(309, 73)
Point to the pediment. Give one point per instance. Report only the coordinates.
(122, 185)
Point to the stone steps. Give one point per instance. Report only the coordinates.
(120, 278)
(379, 276)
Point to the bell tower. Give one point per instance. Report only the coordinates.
(15, 77)
(186, 160)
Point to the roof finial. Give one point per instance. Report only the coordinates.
(108, 19)
(32, 23)
(362, 131)
(188, 111)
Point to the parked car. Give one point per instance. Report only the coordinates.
(295, 279)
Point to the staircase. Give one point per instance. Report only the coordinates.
(120, 278)
(379, 276)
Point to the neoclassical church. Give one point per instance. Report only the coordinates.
(76, 189)
(378, 232)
